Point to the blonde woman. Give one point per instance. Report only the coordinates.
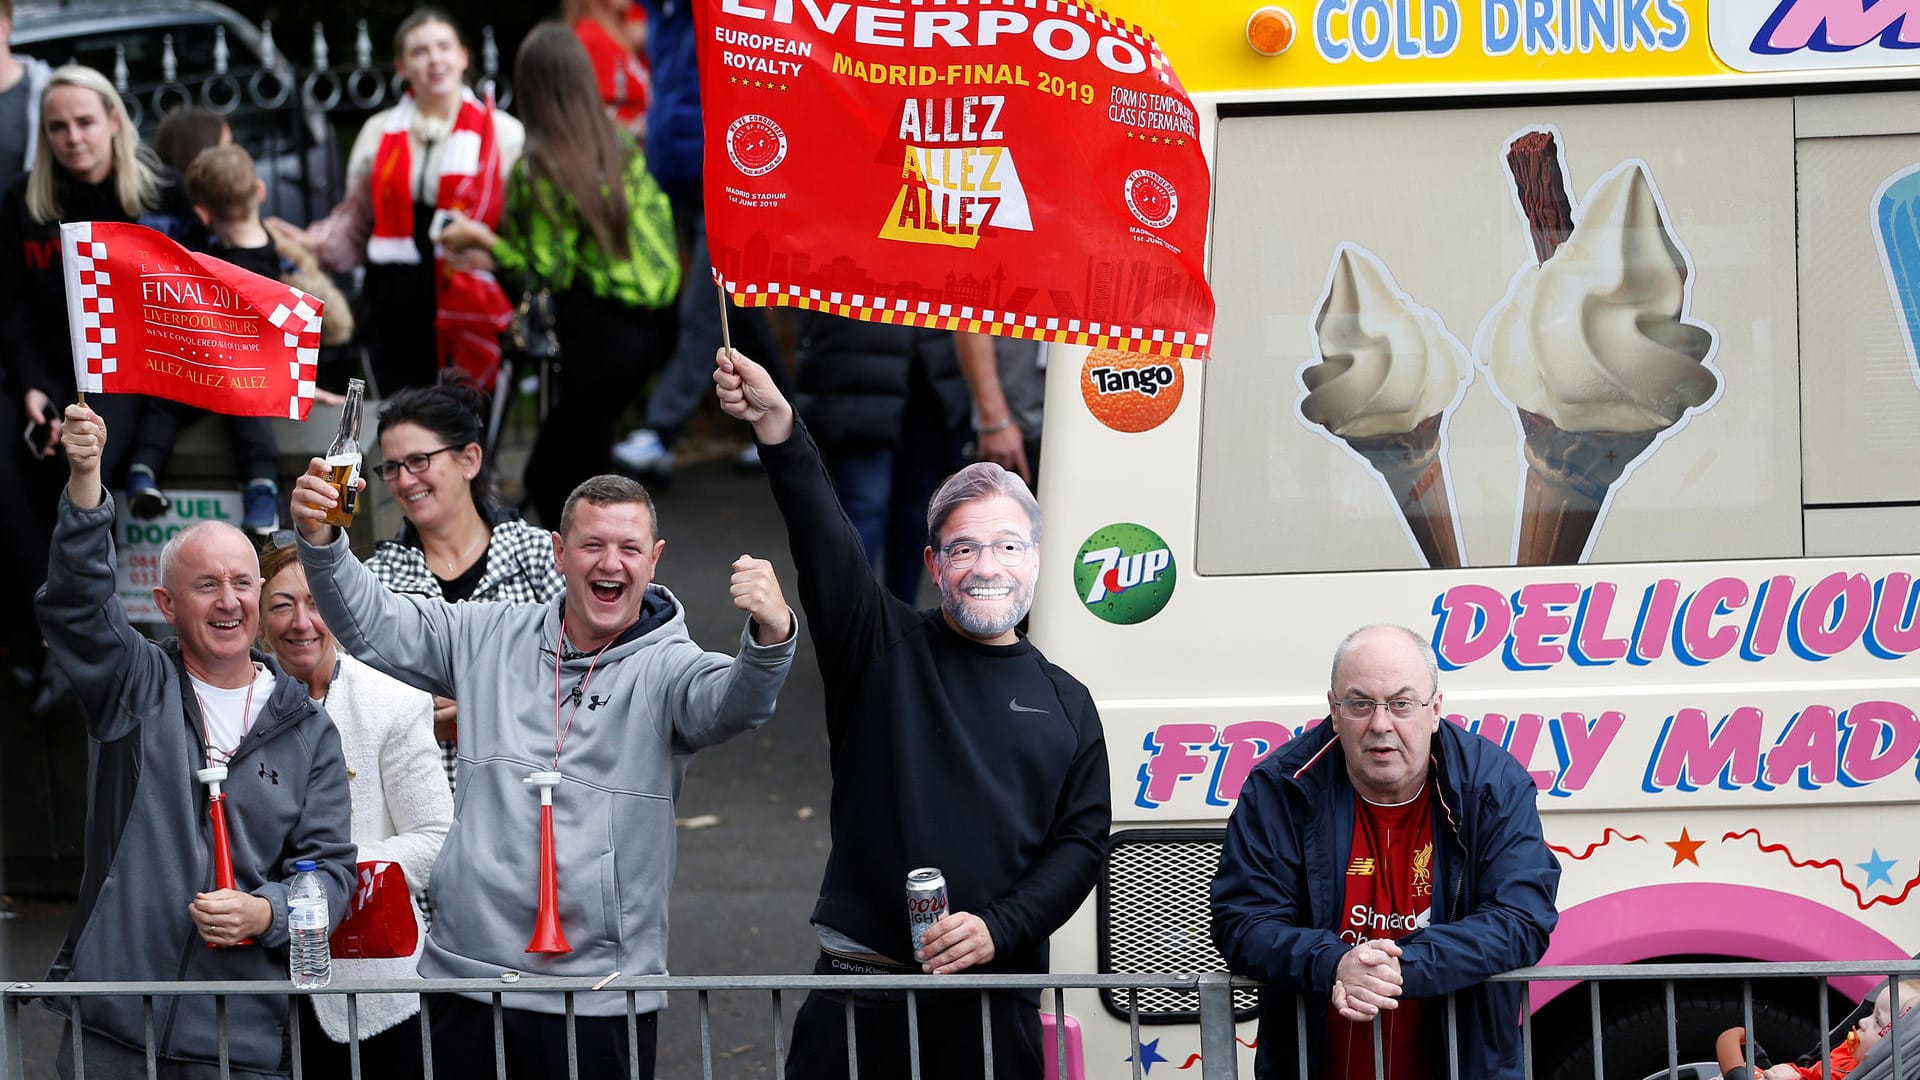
(88, 166)
(401, 810)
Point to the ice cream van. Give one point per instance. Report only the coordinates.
(1579, 336)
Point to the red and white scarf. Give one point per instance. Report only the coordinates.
(471, 309)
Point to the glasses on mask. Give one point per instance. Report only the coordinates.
(962, 554)
(1362, 709)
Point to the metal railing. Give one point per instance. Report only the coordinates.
(1214, 989)
(1218, 1058)
(290, 107)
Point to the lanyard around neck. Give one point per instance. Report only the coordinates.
(246, 724)
(560, 734)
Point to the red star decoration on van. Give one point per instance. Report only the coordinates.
(1684, 849)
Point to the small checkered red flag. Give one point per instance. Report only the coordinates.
(147, 316)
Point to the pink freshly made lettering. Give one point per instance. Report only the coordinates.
(1222, 757)
(1854, 747)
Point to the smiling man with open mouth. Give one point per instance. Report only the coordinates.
(590, 701)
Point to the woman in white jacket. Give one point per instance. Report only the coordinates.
(401, 810)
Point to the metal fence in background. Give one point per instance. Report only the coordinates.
(1218, 1058)
(293, 115)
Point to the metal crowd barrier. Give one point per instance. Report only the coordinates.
(1218, 1046)
(1215, 994)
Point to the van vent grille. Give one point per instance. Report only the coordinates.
(1154, 918)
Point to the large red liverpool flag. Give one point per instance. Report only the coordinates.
(1024, 168)
(147, 316)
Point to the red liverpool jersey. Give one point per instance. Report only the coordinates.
(1389, 895)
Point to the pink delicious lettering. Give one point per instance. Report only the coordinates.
(1838, 25)
(1544, 624)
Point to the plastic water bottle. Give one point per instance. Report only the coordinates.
(307, 953)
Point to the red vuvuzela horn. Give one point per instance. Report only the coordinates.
(222, 851)
(548, 937)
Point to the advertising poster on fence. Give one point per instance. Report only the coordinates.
(1028, 169)
(147, 316)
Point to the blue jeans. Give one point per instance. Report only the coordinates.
(892, 530)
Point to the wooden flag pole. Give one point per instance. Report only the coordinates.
(726, 337)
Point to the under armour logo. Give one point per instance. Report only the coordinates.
(269, 774)
(598, 700)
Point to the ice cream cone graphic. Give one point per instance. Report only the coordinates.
(1593, 348)
(1387, 375)
(1896, 232)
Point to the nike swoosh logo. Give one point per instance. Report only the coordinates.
(1014, 704)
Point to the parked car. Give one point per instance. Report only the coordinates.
(290, 139)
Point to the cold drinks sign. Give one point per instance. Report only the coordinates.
(1030, 170)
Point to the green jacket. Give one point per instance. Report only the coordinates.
(535, 250)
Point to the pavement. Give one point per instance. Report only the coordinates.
(753, 816)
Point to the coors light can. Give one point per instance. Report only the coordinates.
(926, 901)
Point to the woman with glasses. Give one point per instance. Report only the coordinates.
(400, 811)
(458, 543)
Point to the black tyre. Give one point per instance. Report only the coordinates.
(1633, 1027)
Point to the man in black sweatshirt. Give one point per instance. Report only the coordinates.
(955, 745)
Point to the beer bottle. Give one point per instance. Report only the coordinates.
(343, 459)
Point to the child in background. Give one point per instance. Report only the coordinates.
(184, 133)
(226, 192)
(1730, 1048)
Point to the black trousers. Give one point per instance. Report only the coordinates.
(536, 1043)
(950, 1036)
(394, 1054)
(607, 350)
(256, 453)
(397, 326)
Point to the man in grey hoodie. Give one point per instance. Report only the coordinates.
(157, 713)
(601, 685)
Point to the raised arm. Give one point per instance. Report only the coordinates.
(847, 609)
(408, 637)
(87, 631)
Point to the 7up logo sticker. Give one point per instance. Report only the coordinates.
(1124, 573)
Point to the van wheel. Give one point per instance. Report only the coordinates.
(1633, 1027)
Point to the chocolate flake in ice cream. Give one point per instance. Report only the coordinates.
(1593, 350)
(1388, 370)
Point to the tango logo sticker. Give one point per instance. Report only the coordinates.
(1125, 573)
(1130, 392)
